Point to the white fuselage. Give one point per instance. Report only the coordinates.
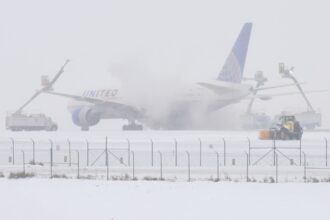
(174, 113)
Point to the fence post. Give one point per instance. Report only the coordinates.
(69, 144)
(106, 156)
(23, 154)
(161, 164)
(87, 152)
(51, 158)
(33, 151)
(218, 164)
(13, 149)
(249, 154)
(176, 152)
(247, 166)
(305, 164)
(128, 152)
(133, 163)
(224, 151)
(300, 148)
(152, 152)
(188, 157)
(326, 152)
(274, 152)
(276, 163)
(78, 165)
(200, 152)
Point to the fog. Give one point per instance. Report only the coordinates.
(152, 50)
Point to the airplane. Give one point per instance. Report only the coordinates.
(202, 98)
(91, 106)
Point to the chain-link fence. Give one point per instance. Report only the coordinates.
(188, 159)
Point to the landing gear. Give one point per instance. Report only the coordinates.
(85, 128)
(132, 127)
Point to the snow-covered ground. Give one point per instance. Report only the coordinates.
(40, 199)
(67, 199)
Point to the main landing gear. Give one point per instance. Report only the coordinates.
(85, 128)
(132, 126)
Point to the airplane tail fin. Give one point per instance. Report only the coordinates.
(232, 70)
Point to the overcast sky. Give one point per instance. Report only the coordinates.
(172, 39)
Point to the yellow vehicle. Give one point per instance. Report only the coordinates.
(288, 128)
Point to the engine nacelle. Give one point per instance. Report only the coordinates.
(84, 117)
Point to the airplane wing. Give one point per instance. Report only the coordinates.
(76, 97)
(270, 96)
(114, 104)
(218, 89)
(221, 89)
(277, 86)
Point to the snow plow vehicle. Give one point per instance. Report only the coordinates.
(288, 128)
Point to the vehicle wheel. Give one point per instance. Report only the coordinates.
(284, 136)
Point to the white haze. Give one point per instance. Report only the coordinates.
(150, 48)
(143, 88)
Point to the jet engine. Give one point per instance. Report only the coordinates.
(85, 117)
